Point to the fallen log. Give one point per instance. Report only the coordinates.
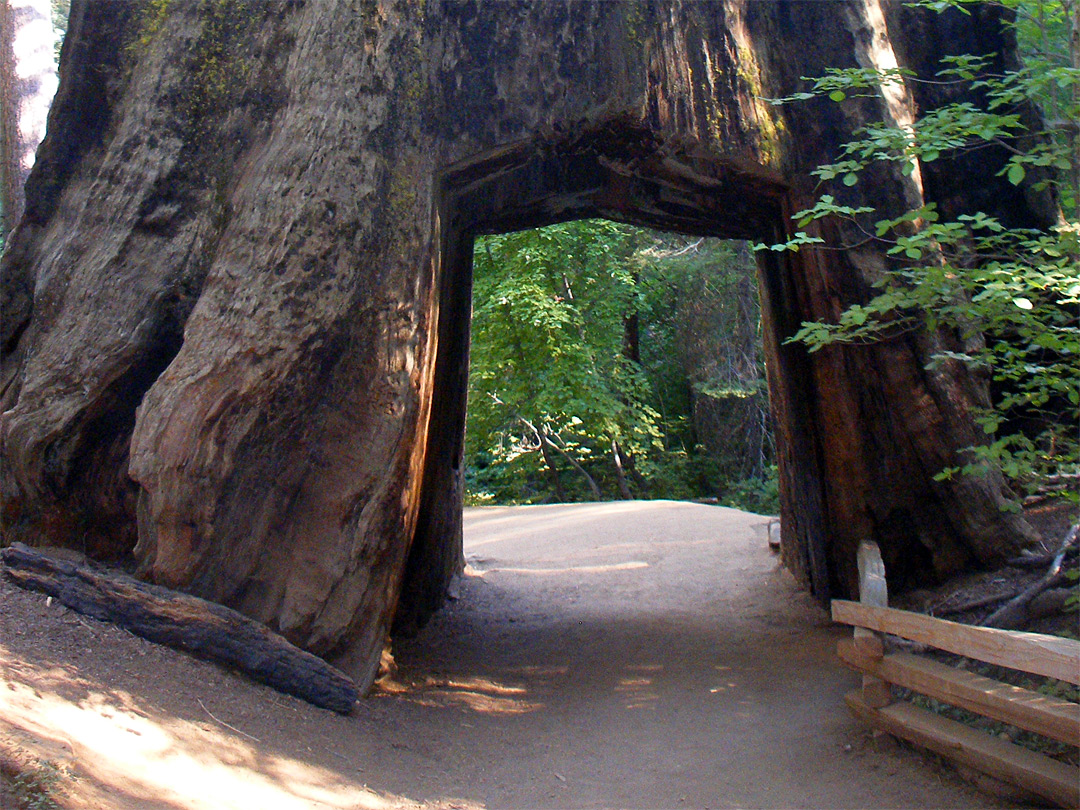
(203, 628)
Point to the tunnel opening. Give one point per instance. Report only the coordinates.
(610, 362)
(621, 174)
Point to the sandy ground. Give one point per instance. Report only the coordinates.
(631, 654)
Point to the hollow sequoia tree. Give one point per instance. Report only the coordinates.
(236, 311)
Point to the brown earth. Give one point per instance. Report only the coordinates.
(632, 654)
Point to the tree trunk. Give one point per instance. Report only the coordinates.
(545, 440)
(235, 311)
(556, 481)
(10, 185)
(27, 86)
(620, 476)
(632, 337)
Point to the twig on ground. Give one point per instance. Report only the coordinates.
(1028, 560)
(1014, 612)
(220, 722)
(942, 609)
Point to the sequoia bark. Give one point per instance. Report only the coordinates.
(236, 313)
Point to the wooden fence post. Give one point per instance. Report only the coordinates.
(872, 591)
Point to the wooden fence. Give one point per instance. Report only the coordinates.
(1049, 656)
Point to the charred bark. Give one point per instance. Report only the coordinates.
(185, 623)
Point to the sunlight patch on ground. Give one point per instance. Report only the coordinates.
(631, 565)
(481, 695)
(638, 690)
(170, 762)
(488, 525)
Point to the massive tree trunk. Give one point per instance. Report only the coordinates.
(236, 312)
(27, 85)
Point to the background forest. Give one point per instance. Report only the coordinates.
(610, 361)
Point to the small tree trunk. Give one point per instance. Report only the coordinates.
(632, 337)
(27, 85)
(1074, 58)
(616, 455)
(630, 466)
(10, 203)
(545, 450)
(597, 494)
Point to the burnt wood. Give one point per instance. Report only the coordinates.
(183, 622)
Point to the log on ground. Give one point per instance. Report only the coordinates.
(203, 628)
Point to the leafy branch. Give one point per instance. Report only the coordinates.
(1009, 294)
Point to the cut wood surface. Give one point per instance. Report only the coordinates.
(1050, 656)
(1039, 774)
(185, 622)
(873, 590)
(1052, 717)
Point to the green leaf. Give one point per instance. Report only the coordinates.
(1016, 174)
(851, 179)
(837, 95)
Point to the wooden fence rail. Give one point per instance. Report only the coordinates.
(1035, 653)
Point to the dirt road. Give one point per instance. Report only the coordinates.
(633, 654)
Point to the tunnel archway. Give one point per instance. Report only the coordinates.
(233, 312)
(621, 173)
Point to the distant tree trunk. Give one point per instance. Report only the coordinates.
(1074, 58)
(545, 450)
(632, 337)
(616, 455)
(630, 466)
(597, 494)
(10, 199)
(27, 85)
(631, 349)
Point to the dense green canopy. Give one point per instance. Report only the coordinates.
(611, 361)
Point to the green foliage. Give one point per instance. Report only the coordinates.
(34, 787)
(1008, 296)
(592, 335)
(547, 360)
(61, 10)
(1072, 603)
(758, 495)
(152, 21)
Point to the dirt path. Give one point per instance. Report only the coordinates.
(637, 655)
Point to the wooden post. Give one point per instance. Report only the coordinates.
(872, 591)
